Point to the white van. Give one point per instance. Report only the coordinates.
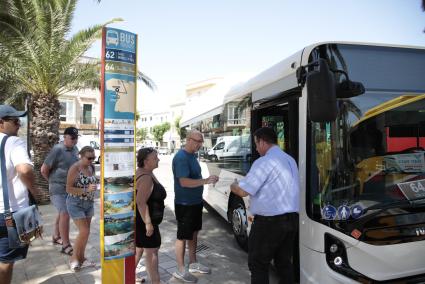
(231, 148)
(90, 140)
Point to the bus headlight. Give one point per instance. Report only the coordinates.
(338, 261)
(336, 257)
(333, 248)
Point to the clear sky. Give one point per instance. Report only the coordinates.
(190, 40)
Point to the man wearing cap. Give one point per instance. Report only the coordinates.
(55, 170)
(20, 178)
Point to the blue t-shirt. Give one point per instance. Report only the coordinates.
(186, 165)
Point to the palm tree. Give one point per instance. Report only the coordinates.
(38, 52)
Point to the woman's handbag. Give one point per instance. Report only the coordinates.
(24, 225)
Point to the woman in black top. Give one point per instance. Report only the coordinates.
(150, 211)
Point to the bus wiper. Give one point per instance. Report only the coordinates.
(418, 202)
(394, 204)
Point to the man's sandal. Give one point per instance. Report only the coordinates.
(67, 249)
(56, 240)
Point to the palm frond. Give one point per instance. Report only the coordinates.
(146, 80)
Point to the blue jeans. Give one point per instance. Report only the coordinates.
(79, 208)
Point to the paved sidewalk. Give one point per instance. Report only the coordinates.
(45, 264)
(216, 249)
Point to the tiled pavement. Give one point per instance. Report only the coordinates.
(45, 264)
(216, 248)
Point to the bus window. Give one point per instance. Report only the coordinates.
(227, 139)
(278, 125)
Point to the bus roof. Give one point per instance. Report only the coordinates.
(282, 76)
(270, 82)
(211, 102)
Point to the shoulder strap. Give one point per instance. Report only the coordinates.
(4, 175)
(142, 175)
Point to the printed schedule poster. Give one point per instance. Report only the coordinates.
(119, 87)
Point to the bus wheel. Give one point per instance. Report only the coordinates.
(214, 158)
(239, 223)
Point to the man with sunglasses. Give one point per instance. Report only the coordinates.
(55, 170)
(188, 189)
(20, 178)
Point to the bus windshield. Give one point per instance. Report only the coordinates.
(373, 154)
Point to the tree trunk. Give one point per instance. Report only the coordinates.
(44, 133)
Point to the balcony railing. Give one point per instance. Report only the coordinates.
(79, 122)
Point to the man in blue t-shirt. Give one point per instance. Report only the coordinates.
(188, 188)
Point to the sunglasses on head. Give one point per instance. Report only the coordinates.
(148, 150)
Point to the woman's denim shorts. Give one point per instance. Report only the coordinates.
(79, 208)
(8, 255)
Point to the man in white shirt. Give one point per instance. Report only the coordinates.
(272, 184)
(20, 178)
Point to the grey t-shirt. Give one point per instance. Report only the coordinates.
(59, 160)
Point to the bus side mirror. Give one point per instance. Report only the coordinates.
(321, 93)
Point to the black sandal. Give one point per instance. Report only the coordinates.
(56, 240)
(67, 249)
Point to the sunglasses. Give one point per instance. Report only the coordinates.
(197, 141)
(148, 150)
(14, 120)
(90, 158)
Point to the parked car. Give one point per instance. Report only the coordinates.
(231, 148)
(93, 141)
(163, 151)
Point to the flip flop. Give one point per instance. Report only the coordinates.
(67, 249)
(56, 240)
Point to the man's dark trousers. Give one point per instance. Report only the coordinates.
(272, 237)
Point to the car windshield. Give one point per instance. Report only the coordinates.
(372, 157)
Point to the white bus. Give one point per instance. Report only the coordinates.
(353, 117)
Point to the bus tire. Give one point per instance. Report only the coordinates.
(239, 222)
(214, 158)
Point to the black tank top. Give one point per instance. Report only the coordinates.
(155, 202)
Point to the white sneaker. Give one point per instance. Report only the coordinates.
(197, 267)
(185, 276)
(88, 264)
(75, 266)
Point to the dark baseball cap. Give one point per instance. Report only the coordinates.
(8, 111)
(72, 131)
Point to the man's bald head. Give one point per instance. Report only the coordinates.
(194, 141)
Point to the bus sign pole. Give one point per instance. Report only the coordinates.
(117, 138)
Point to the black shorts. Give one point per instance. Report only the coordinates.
(189, 220)
(143, 241)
